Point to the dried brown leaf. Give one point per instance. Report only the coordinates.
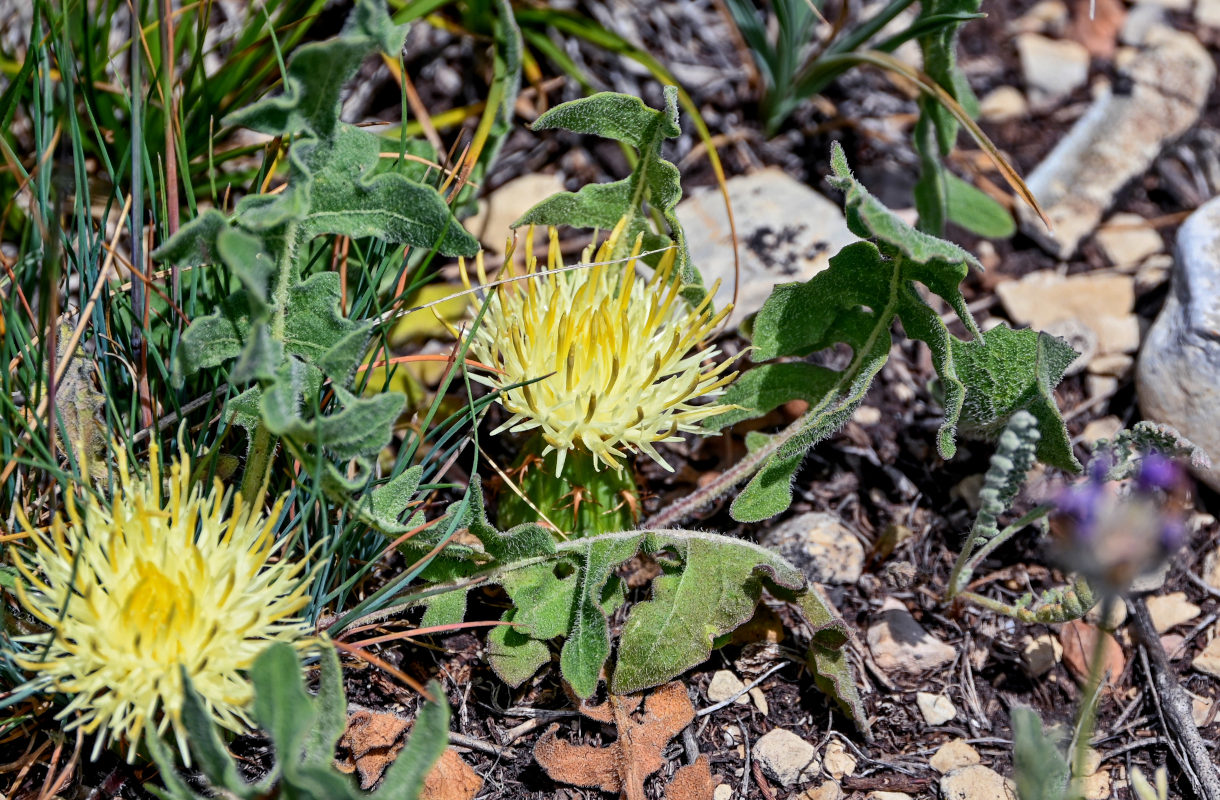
(1079, 640)
(692, 782)
(622, 765)
(451, 778)
(371, 742)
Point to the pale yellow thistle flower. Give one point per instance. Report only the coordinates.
(620, 358)
(136, 592)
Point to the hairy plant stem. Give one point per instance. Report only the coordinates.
(263, 442)
(969, 559)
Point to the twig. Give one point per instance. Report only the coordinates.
(1174, 708)
(703, 712)
(462, 740)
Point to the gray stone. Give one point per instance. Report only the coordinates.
(820, 545)
(900, 644)
(786, 230)
(953, 755)
(1127, 240)
(724, 685)
(1118, 138)
(1178, 375)
(1002, 104)
(1207, 12)
(1053, 68)
(786, 757)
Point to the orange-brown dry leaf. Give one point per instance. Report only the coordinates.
(692, 782)
(371, 742)
(622, 765)
(1079, 640)
(1099, 33)
(451, 779)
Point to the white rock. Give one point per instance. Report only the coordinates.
(1140, 21)
(1046, 16)
(787, 232)
(1153, 272)
(1053, 68)
(1128, 239)
(1201, 710)
(1207, 12)
(724, 685)
(1171, 610)
(1209, 660)
(1101, 302)
(900, 644)
(953, 755)
(1178, 376)
(820, 545)
(1041, 654)
(723, 792)
(1118, 138)
(837, 760)
(786, 757)
(976, 782)
(505, 205)
(1117, 616)
(937, 709)
(1173, 5)
(1002, 104)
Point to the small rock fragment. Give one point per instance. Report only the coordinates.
(1041, 654)
(1140, 20)
(976, 782)
(722, 792)
(760, 700)
(1207, 13)
(724, 685)
(953, 755)
(1103, 303)
(1128, 239)
(1115, 365)
(1096, 786)
(1118, 138)
(1178, 376)
(1101, 428)
(786, 757)
(505, 205)
(881, 794)
(837, 760)
(829, 790)
(1171, 610)
(787, 232)
(1201, 711)
(1209, 660)
(1046, 16)
(900, 644)
(1053, 68)
(937, 709)
(1211, 569)
(1117, 616)
(1003, 104)
(821, 546)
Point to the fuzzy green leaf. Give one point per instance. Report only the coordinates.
(711, 590)
(317, 73)
(1008, 371)
(515, 656)
(331, 719)
(350, 197)
(194, 245)
(588, 643)
(214, 339)
(282, 707)
(654, 181)
(1039, 767)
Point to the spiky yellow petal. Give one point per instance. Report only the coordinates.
(150, 586)
(607, 359)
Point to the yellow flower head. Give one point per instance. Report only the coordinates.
(615, 361)
(137, 592)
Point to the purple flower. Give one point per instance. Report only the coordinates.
(1157, 472)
